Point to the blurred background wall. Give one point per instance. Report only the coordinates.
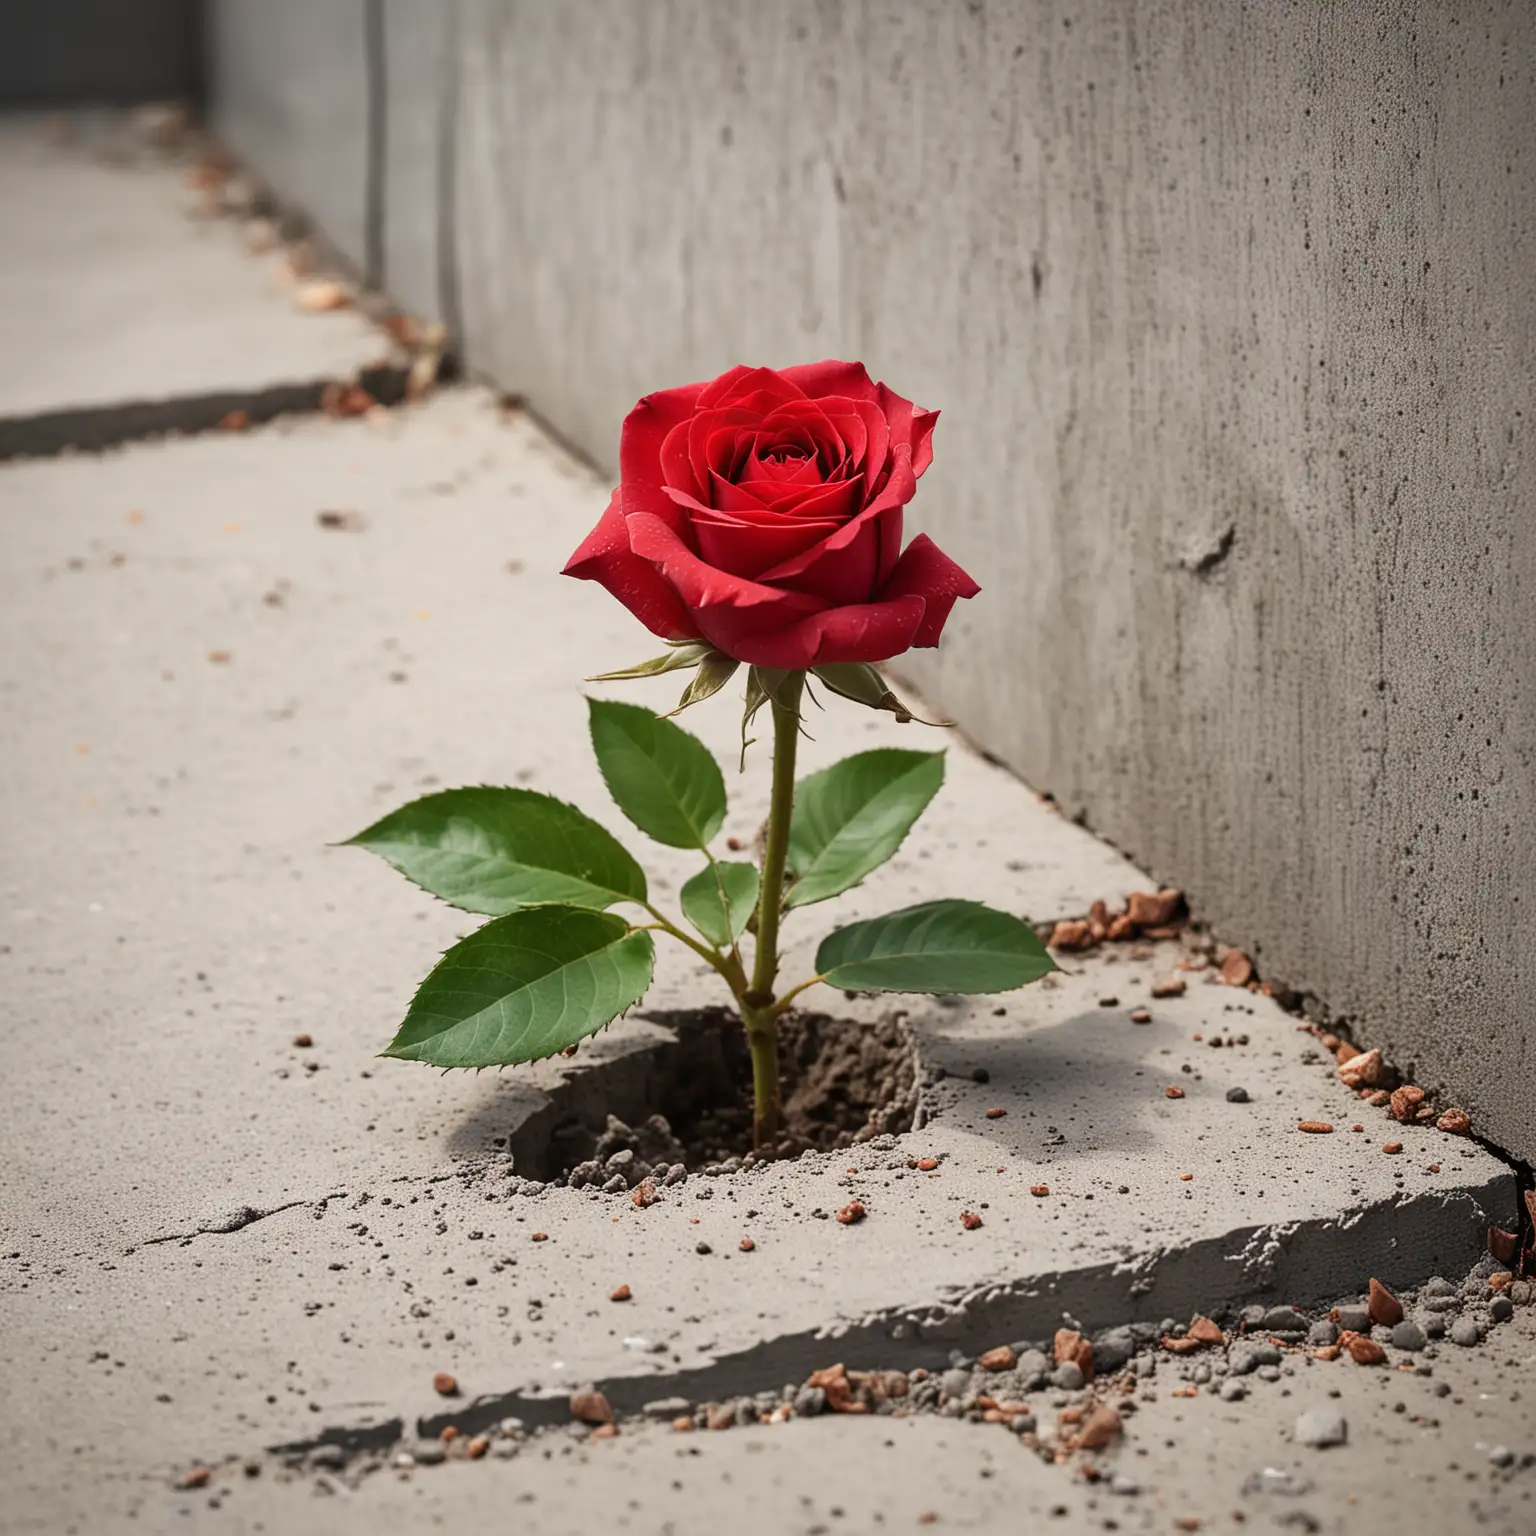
(99, 52)
(1231, 313)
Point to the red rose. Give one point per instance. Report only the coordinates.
(762, 513)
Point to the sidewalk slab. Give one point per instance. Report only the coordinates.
(217, 1250)
(121, 314)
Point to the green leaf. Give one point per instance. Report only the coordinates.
(850, 818)
(659, 775)
(524, 987)
(720, 906)
(495, 850)
(940, 946)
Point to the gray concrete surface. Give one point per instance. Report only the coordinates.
(121, 312)
(212, 1249)
(1415, 1462)
(1228, 315)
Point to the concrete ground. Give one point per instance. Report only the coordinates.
(216, 1242)
(125, 308)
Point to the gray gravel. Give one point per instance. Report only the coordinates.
(1320, 1427)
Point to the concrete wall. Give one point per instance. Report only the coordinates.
(1230, 313)
(289, 92)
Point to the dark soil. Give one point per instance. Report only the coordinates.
(691, 1102)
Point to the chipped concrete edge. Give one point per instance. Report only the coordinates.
(1305, 1262)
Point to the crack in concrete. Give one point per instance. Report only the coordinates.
(1305, 1264)
(233, 1220)
(92, 428)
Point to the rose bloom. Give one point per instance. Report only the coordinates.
(761, 512)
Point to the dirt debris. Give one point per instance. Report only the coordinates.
(1383, 1306)
(591, 1408)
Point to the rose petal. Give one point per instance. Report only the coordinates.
(837, 501)
(791, 469)
(719, 441)
(831, 377)
(807, 423)
(925, 571)
(747, 548)
(645, 430)
(727, 609)
(857, 632)
(726, 497)
(741, 382)
(922, 440)
(896, 493)
(674, 462)
(605, 557)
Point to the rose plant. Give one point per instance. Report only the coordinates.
(758, 523)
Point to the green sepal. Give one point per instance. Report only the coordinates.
(684, 653)
(860, 682)
(715, 671)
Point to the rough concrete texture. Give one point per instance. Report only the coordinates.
(224, 1242)
(179, 324)
(1414, 1462)
(1228, 312)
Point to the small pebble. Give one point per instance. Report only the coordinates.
(1285, 1320)
(1320, 1428)
(1465, 1332)
(1237, 1096)
(1408, 1335)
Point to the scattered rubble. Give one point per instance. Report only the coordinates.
(1071, 1399)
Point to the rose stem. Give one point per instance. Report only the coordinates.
(762, 1028)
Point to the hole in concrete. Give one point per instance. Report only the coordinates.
(688, 1099)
